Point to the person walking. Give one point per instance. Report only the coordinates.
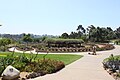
(94, 50)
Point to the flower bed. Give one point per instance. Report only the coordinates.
(85, 48)
(112, 66)
(103, 47)
(22, 47)
(36, 68)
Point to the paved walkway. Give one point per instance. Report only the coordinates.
(87, 68)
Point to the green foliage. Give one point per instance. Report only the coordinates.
(21, 61)
(66, 58)
(4, 42)
(105, 47)
(84, 38)
(23, 47)
(117, 33)
(100, 49)
(16, 61)
(45, 66)
(93, 34)
(64, 36)
(37, 40)
(50, 66)
(64, 41)
(112, 58)
(117, 41)
(100, 34)
(75, 35)
(19, 65)
(1, 69)
(3, 48)
(53, 42)
(27, 38)
(4, 62)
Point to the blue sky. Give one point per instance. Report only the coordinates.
(56, 16)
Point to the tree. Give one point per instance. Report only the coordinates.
(90, 28)
(100, 34)
(27, 38)
(37, 40)
(81, 29)
(73, 35)
(111, 34)
(65, 36)
(109, 29)
(117, 33)
(5, 41)
(91, 32)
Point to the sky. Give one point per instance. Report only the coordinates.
(54, 17)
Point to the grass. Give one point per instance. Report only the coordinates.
(3, 55)
(66, 58)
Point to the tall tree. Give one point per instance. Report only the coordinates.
(110, 33)
(99, 34)
(117, 33)
(90, 31)
(81, 29)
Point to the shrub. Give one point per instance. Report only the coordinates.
(44, 66)
(50, 66)
(24, 47)
(112, 65)
(23, 63)
(19, 65)
(3, 48)
(1, 69)
(62, 42)
(100, 49)
(105, 47)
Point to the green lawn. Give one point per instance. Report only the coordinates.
(66, 58)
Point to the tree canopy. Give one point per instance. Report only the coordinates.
(5, 41)
(27, 38)
(93, 34)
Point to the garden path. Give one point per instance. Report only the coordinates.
(87, 68)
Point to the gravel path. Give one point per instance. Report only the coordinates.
(87, 68)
